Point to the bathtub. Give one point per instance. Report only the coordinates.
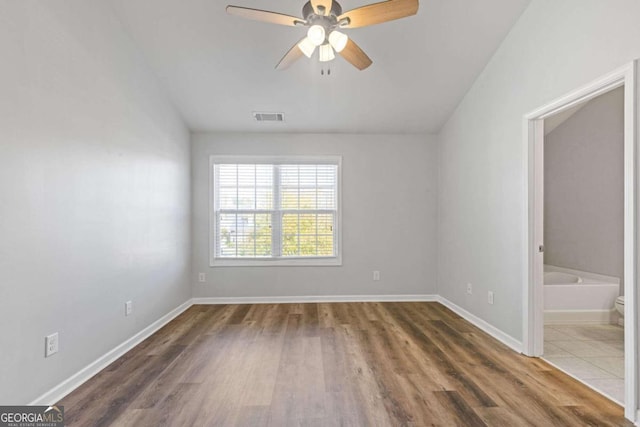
(572, 296)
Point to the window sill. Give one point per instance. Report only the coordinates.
(292, 262)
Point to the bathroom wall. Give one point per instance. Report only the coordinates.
(584, 188)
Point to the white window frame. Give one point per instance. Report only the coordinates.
(269, 262)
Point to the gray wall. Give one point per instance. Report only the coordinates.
(554, 48)
(94, 178)
(389, 208)
(584, 189)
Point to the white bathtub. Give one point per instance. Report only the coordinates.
(572, 296)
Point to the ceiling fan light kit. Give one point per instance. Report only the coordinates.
(307, 47)
(326, 53)
(316, 34)
(338, 40)
(324, 17)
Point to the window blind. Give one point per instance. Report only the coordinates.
(275, 210)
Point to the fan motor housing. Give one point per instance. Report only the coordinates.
(308, 12)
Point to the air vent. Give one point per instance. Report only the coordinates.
(268, 117)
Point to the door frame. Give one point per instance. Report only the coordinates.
(533, 300)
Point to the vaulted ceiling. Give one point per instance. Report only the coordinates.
(218, 68)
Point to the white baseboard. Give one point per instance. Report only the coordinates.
(316, 299)
(507, 340)
(573, 317)
(67, 386)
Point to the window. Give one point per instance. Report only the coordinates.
(275, 211)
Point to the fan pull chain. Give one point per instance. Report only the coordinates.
(328, 71)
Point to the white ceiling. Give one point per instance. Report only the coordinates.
(219, 68)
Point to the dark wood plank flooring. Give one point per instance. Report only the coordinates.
(352, 364)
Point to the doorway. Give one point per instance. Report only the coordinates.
(533, 304)
(583, 242)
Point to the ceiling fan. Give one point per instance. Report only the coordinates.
(324, 18)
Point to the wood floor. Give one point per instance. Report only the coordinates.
(354, 364)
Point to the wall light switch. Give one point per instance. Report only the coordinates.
(469, 288)
(490, 297)
(202, 277)
(376, 275)
(128, 308)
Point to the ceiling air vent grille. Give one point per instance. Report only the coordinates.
(268, 117)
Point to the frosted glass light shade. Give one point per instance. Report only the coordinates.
(316, 34)
(326, 53)
(307, 47)
(338, 40)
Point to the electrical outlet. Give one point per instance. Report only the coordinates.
(469, 288)
(50, 345)
(202, 278)
(376, 275)
(490, 297)
(128, 308)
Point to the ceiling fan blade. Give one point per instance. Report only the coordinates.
(264, 16)
(378, 13)
(356, 56)
(290, 57)
(323, 3)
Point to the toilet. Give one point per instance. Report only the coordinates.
(619, 305)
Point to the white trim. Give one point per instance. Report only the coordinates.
(533, 142)
(586, 317)
(496, 333)
(335, 261)
(631, 152)
(67, 386)
(278, 262)
(316, 299)
(285, 159)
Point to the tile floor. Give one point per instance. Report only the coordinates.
(592, 353)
